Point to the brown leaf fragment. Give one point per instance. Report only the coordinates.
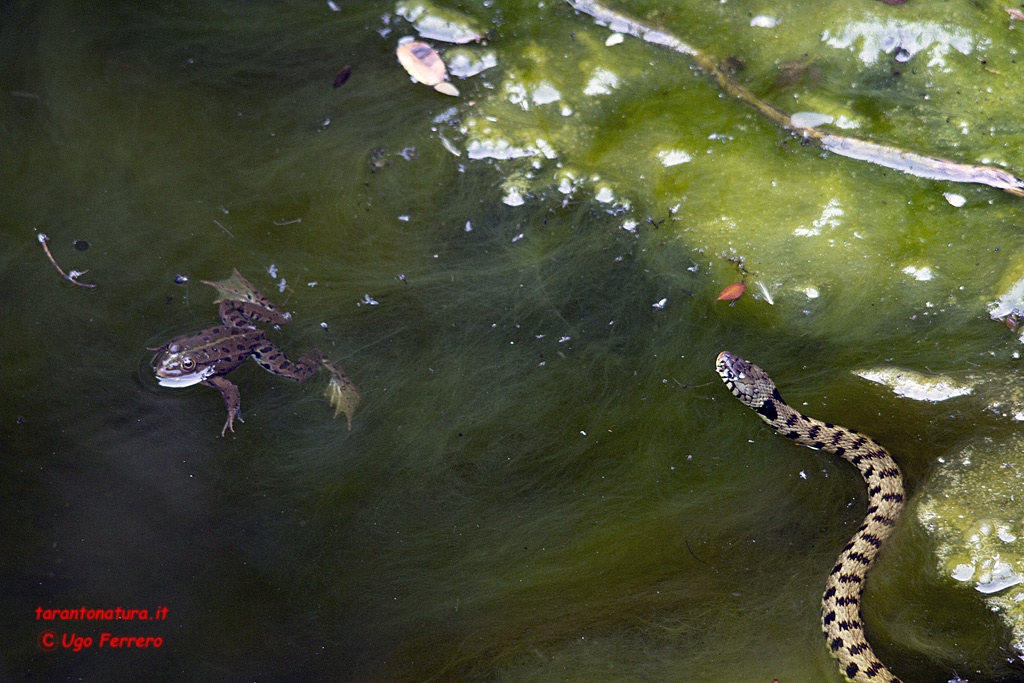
(797, 71)
(1014, 13)
(733, 291)
(894, 2)
(342, 76)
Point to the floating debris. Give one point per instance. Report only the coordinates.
(70, 277)
(922, 273)
(810, 119)
(378, 159)
(342, 76)
(435, 23)
(463, 63)
(915, 385)
(674, 157)
(766, 293)
(764, 21)
(956, 200)
(425, 65)
(733, 291)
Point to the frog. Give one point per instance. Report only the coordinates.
(207, 356)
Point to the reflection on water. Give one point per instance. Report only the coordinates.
(545, 480)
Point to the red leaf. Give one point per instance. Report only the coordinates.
(733, 291)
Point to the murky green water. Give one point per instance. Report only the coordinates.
(545, 479)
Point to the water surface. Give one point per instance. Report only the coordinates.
(545, 479)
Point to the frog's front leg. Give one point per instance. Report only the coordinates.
(232, 400)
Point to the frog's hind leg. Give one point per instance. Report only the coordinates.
(271, 358)
(340, 392)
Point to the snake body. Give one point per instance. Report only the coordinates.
(841, 618)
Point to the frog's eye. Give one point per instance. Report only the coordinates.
(188, 363)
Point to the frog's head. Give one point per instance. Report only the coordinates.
(176, 366)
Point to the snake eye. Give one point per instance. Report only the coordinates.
(188, 363)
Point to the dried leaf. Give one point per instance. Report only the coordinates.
(733, 291)
(342, 76)
(1014, 13)
(422, 62)
(237, 288)
(234, 288)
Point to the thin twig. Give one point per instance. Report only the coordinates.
(74, 273)
(221, 226)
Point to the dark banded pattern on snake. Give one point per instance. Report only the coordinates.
(841, 618)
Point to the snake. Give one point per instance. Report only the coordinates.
(841, 619)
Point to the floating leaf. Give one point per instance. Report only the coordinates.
(342, 76)
(733, 291)
(425, 65)
(1014, 13)
(237, 288)
(341, 392)
(234, 288)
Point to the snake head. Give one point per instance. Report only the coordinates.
(746, 381)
